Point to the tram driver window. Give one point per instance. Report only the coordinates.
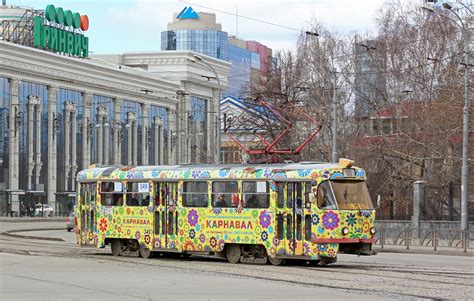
(195, 194)
(326, 198)
(225, 194)
(256, 194)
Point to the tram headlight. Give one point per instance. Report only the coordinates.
(345, 231)
(373, 230)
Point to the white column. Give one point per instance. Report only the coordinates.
(100, 139)
(135, 141)
(173, 130)
(117, 133)
(129, 144)
(86, 115)
(145, 129)
(131, 137)
(67, 143)
(158, 145)
(73, 149)
(156, 141)
(52, 146)
(30, 105)
(101, 115)
(106, 142)
(38, 163)
(13, 142)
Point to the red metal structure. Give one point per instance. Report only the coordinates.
(263, 117)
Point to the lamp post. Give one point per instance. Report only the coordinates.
(465, 137)
(218, 125)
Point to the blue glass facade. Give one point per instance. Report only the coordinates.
(197, 135)
(156, 111)
(136, 108)
(74, 97)
(239, 74)
(107, 103)
(27, 89)
(209, 42)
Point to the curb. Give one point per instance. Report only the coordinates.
(10, 233)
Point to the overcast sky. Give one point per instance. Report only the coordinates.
(135, 25)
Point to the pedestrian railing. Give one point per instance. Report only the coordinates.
(430, 238)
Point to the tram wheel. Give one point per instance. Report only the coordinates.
(116, 247)
(276, 260)
(233, 253)
(144, 251)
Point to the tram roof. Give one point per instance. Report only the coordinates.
(277, 166)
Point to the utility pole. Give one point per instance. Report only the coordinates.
(465, 138)
(334, 117)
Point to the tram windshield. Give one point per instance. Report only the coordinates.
(347, 195)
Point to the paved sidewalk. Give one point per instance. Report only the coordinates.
(16, 225)
(424, 250)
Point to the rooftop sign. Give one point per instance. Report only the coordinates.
(188, 13)
(62, 31)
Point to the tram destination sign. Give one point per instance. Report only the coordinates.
(62, 31)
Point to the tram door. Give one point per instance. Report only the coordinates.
(294, 218)
(166, 215)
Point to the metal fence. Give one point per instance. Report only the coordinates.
(428, 238)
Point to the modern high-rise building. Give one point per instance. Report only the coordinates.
(199, 32)
(250, 60)
(370, 77)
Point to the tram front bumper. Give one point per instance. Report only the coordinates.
(357, 246)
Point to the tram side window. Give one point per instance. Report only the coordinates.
(225, 194)
(309, 195)
(256, 194)
(195, 194)
(111, 194)
(307, 227)
(280, 230)
(299, 194)
(138, 194)
(281, 194)
(289, 227)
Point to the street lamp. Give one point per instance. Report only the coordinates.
(465, 137)
(218, 125)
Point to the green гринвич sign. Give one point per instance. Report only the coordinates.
(51, 34)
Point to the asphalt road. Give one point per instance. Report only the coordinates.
(41, 270)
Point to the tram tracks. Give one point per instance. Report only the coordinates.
(398, 281)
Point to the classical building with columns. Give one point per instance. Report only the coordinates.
(60, 114)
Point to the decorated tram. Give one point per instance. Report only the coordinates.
(246, 213)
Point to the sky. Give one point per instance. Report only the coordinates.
(118, 26)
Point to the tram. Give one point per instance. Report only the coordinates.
(245, 213)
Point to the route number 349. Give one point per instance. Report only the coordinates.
(143, 187)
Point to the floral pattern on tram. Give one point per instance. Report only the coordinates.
(209, 229)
